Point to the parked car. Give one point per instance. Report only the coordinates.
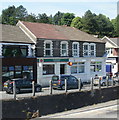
(103, 81)
(21, 85)
(4, 79)
(116, 74)
(116, 77)
(58, 82)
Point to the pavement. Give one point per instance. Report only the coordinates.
(101, 110)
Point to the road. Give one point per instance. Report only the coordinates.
(102, 110)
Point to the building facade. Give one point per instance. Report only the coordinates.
(17, 54)
(57, 46)
(112, 49)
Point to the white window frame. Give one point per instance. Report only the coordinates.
(86, 51)
(89, 50)
(77, 65)
(94, 50)
(75, 51)
(61, 50)
(51, 48)
(95, 65)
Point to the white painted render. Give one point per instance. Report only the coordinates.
(86, 76)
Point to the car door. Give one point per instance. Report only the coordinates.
(73, 82)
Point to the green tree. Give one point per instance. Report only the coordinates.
(31, 18)
(76, 22)
(8, 15)
(67, 19)
(89, 22)
(105, 27)
(43, 18)
(11, 15)
(57, 18)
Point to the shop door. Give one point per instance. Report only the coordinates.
(62, 68)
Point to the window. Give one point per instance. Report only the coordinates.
(86, 49)
(48, 69)
(78, 68)
(15, 51)
(18, 71)
(48, 48)
(64, 48)
(75, 49)
(96, 66)
(89, 49)
(92, 49)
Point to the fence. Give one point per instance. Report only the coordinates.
(95, 83)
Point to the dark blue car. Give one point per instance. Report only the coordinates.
(58, 82)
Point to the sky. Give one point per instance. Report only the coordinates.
(78, 7)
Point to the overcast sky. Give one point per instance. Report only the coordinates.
(78, 7)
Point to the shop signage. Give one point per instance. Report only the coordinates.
(54, 60)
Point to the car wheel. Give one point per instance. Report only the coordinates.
(103, 84)
(63, 87)
(17, 90)
(38, 89)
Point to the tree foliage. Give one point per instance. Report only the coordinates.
(67, 19)
(91, 23)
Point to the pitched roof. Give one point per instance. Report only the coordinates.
(115, 40)
(14, 34)
(49, 31)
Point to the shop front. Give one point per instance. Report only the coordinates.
(19, 68)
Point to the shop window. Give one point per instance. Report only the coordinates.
(48, 48)
(78, 68)
(48, 69)
(75, 49)
(64, 48)
(96, 66)
(15, 51)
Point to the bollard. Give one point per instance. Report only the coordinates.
(33, 88)
(65, 85)
(50, 82)
(79, 84)
(112, 81)
(99, 83)
(107, 78)
(14, 89)
(91, 84)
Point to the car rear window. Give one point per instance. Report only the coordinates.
(55, 78)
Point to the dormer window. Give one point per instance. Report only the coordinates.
(48, 48)
(64, 48)
(75, 49)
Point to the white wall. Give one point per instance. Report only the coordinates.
(44, 79)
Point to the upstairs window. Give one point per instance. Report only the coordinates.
(89, 49)
(75, 49)
(86, 49)
(48, 48)
(64, 48)
(15, 51)
(92, 49)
